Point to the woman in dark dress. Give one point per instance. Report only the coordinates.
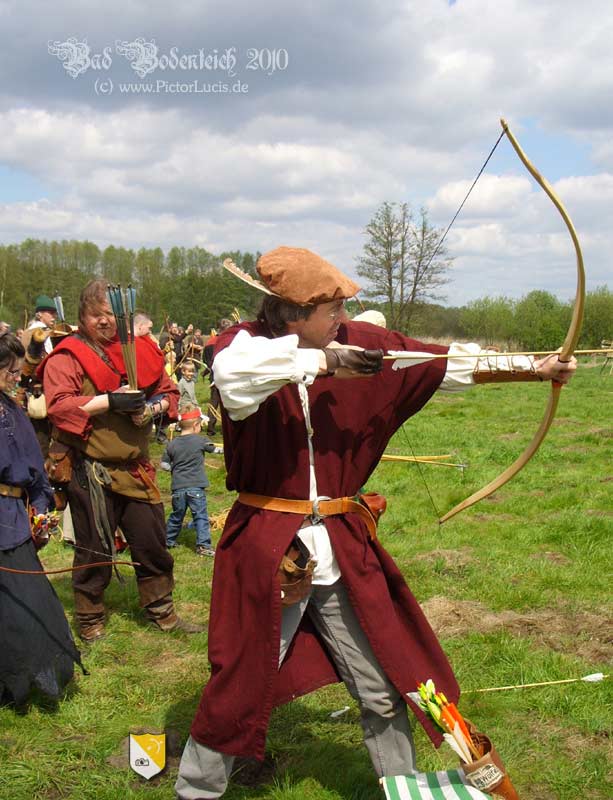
(36, 645)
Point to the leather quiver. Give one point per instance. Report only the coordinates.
(488, 773)
(295, 573)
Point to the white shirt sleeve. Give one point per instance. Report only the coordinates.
(460, 367)
(252, 368)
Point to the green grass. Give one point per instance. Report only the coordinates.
(519, 585)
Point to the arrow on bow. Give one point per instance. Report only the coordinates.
(565, 354)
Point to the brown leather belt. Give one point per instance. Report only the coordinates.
(10, 491)
(315, 509)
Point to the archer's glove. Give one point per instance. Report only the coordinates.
(364, 362)
(127, 402)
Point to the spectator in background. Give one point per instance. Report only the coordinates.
(45, 316)
(4, 327)
(38, 343)
(184, 458)
(176, 336)
(193, 345)
(187, 384)
(36, 645)
(164, 339)
(106, 429)
(143, 324)
(198, 348)
(373, 316)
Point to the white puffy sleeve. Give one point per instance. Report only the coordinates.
(252, 368)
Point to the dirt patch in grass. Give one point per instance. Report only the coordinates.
(494, 517)
(572, 741)
(53, 794)
(554, 557)
(584, 634)
(452, 559)
(249, 772)
(603, 433)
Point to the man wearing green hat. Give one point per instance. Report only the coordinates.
(44, 317)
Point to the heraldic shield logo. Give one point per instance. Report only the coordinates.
(148, 753)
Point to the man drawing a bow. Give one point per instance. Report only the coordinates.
(309, 406)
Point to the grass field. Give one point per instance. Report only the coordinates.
(518, 588)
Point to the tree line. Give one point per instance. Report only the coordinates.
(183, 285)
(401, 280)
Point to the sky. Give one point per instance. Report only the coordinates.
(252, 125)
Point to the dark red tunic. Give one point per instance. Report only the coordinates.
(267, 453)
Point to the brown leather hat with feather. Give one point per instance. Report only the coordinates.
(298, 276)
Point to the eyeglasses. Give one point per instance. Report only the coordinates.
(14, 373)
(337, 313)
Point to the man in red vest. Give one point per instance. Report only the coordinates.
(309, 406)
(103, 429)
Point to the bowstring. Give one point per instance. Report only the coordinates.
(461, 206)
(421, 474)
(430, 260)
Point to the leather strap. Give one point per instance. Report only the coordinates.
(316, 509)
(10, 491)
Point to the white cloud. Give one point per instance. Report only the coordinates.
(397, 102)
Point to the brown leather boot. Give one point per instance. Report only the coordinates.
(89, 615)
(156, 598)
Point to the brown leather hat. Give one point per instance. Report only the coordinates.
(302, 277)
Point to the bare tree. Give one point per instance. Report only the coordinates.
(402, 262)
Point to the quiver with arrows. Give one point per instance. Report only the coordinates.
(488, 773)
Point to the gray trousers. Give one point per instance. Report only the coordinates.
(204, 773)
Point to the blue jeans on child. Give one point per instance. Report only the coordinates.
(195, 500)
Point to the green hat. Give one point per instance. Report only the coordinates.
(45, 303)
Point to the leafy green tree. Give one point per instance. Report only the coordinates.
(489, 319)
(118, 265)
(541, 321)
(433, 321)
(598, 320)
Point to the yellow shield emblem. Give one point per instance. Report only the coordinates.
(148, 753)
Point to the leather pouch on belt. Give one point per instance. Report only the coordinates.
(295, 572)
(375, 503)
(58, 464)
